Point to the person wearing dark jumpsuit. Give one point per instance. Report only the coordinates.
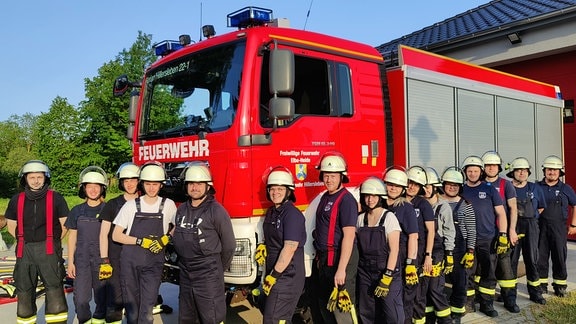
(531, 202)
(284, 236)
(142, 226)
(204, 240)
(127, 175)
(379, 279)
(35, 217)
(464, 241)
(417, 179)
(334, 240)
(83, 226)
(491, 230)
(552, 224)
(396, 181)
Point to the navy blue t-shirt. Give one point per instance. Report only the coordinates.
(347, 216)
(559, 191)
(407, 218)
(483, 198)
(533, 193)
(82, 210)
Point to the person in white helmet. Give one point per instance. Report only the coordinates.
(142, 227)
(284, 235)
(552, 224)
(334, 241)
(417, 180)
(433, 281)
(505, 275)
(531, 202)
(464, 242)
(396, 181)
(491, 230)
(83, 224)
(127, 176)
(36, 219)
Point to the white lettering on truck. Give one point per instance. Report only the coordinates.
(176, 150)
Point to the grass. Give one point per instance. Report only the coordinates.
(556, 310)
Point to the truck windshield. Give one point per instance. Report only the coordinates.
(195, 93)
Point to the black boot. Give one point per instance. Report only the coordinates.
(470, 304)
(560, 291)
(456, 318)
(487, 308)
(538, 299)
(510, 300)
(544, 287)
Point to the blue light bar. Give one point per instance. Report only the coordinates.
(249, 17)
(166, 47)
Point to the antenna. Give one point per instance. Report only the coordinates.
(200, 31)
(308, 14)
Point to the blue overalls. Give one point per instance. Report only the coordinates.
(141, 269)
(374, 250)
(87, 262)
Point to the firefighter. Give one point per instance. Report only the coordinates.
(36, 219)
(531, 203)
(205, 243)
(127, 175)
(432, 284)
(284, 235)
(83, 224)
(379, 278)
(396, 182)
(142, 227)
(464, 241)
(552, 223)
(415, 191)
(505, 273)
(491, 230)
(334, 241)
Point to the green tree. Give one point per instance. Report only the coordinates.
(106, 115)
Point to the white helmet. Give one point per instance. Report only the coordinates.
(397, 177)
(417, 174)
(128, 170)
(281, 178)
(198, 173)
(373, 186)
(453, 175)
(493, 158)
(92, 174)
(333, 162)
(553, 162)
(152, 171)
(433, 178)
(518, 163)
(34, 166)
(474, 161)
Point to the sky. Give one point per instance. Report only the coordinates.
(50, 47)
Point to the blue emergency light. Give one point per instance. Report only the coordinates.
(249, 17)
(166, 47)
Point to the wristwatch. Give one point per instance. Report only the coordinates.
(427, 254)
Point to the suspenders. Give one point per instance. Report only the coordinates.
(49, 223)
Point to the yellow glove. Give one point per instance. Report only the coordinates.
(503, 244)
(520, 236)
(146, 242)
(436, 270)
(261, 254)
(158, 244)
(468, 259)
(333, 300)
(411, 274)
(270, 281)
(384, 284)
(448, 262)
(105, 271)
(344, 301)
(9, 289)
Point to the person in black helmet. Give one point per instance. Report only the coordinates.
(204, 240)
(109, 271)
(142, 226)
(83, 224)
(284, 235)
(36, 218)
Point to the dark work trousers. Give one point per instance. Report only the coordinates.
(50, 268)
(431, 293)
(506, 277)
(528, 246)
(409, 291)
(552, 243)
(374, 250)
(459, 276)
(87, 263)
(325, 284)
(141, 270)
(486, 259)
(113, 287)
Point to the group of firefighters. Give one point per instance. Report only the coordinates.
(387, 259)
(382, 257)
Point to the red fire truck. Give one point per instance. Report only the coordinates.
(265, 95)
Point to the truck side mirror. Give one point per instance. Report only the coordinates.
(281, 108)
(281, 72)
